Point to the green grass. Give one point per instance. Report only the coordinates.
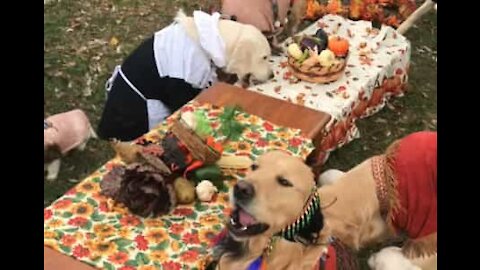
(78, 58)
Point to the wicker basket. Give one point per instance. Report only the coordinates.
(317, 73)
(197, 147)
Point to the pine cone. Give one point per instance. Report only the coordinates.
(111, 182)
(146, 192)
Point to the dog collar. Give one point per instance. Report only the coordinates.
(290, 232)
(311, 207)
(261, 262)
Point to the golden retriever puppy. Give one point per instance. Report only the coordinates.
(389, 194)
(174, 65)
(276, 218)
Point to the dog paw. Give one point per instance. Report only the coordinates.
(390, 258)
(51, 177)
(82, 146)
(93, 134)
(53, 170)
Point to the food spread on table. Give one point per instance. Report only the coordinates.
(318, 58)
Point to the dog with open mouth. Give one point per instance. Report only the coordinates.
(276, 218)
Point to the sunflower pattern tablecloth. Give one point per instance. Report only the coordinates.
(93, 229)
(377, 68)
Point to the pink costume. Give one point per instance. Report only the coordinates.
(66, 130)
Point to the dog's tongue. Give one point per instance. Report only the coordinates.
(245, 218)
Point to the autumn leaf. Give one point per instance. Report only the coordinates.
(114, 42)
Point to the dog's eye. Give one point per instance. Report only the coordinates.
(254, 167)
(265, 57)
(284, 182)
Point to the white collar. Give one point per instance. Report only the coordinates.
(209, 37)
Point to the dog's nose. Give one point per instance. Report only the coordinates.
(243, 191)
(271, 76)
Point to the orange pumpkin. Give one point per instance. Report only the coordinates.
(339, 46)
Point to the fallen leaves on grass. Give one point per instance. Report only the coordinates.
(381, 121)
(114, 42)
(87, 90)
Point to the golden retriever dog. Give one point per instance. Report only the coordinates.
(387, 195)
(247, 50)
(276, 218)
(172, 66)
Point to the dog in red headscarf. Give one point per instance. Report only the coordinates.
(389, 194)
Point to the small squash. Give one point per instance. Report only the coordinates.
(295, 51)
(184, 190)
(326, 58)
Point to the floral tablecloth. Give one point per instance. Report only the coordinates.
(377, 69)
(93, 229)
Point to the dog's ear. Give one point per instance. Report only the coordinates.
(226, 77)
(240, 60)
(51, 153)
(49, 139)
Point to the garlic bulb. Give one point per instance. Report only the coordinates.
(205, 190)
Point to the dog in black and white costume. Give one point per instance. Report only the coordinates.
(170, 68)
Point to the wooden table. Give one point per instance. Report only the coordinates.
(279, 112)
(54, 260)
(310, 122)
